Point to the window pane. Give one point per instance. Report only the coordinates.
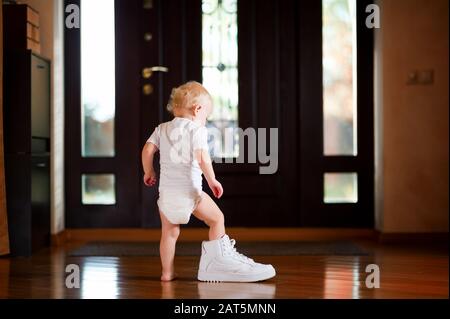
(97, 78)
(220, 71)
(98, 189)
(341, 188)
(339, 76)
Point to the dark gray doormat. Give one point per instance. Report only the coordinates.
(273, 248)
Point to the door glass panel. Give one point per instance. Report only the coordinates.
(97, 78)
(341, 188)
(339, 77)
(98, 189)
(220, 72)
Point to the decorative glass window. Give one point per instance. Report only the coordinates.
(98, 189)
(339, 77)
(341, 188)
(97, 78)
(220, 73)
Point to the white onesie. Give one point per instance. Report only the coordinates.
(180, 182)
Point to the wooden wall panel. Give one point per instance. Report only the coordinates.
(4, 240)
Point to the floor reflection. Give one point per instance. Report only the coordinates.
(168, 289)
(44, 276)
(4, 277)
(99, 278)
(223, 290)
(342, 281)
(235, 290)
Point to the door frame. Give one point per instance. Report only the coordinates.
(310, 211)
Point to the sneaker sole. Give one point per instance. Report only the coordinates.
(221, 277)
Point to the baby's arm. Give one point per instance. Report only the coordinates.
(204, 161)
(148, 153)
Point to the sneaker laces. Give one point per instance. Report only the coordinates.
(231, 249)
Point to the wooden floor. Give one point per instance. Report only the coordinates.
(406, 272)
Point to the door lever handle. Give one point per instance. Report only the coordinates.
(148, 72)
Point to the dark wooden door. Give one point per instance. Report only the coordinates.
(267, 99)
(174, 27)
(280, 86)
(104, 177)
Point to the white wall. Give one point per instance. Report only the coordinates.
(58, 214)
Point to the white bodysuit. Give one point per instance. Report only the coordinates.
(180, 182)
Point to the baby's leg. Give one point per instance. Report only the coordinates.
(169, 236)
(208, 211)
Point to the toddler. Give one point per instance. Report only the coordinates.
(184, 157)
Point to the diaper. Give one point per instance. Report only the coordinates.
(178, 206)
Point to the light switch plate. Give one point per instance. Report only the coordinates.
(412, 77)
(426, 77)
(420, 77)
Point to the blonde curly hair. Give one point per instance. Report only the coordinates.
(186, 96)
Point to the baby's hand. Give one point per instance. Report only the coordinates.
(216, 188)
(150, 178)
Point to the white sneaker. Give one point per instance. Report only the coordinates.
(221, 262)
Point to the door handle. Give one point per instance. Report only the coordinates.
(148, 72)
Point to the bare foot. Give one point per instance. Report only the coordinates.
(168, 277)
